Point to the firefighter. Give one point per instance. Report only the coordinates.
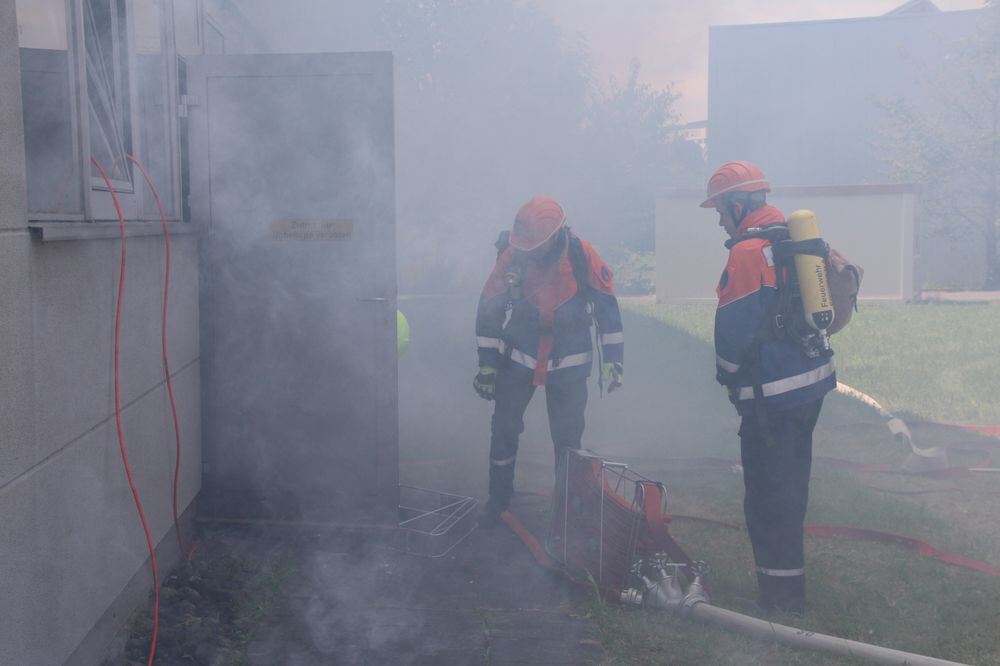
(533, 329)
(776, 387)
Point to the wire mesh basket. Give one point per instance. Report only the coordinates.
(604, 516)
(431, 522)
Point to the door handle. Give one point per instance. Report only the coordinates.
(373, 299)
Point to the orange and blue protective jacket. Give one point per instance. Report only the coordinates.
(748, 296)
(545, 333)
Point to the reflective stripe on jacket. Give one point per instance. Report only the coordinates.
(747, 294)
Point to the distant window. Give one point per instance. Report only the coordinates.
(52, 155)
(105, 32)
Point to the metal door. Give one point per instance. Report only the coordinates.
(292, 182)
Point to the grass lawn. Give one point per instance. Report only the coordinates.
(938, 361)
(933, 362)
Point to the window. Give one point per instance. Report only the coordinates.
(157, 103)
(187, 24)
(215, 41)
(48, 92)
(105, 38)
(99, 78)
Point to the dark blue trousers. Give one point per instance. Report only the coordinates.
(776, 482)
(565, 403)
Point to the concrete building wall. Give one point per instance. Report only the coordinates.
(802, 100)
(70, 540)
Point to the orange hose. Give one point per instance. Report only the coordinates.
(166, 360)
(118, 419)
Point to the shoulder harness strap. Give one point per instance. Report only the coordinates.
(580, 264)
(503, 242)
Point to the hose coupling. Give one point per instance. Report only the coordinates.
(696, 593)
(655, 584)
(631, 597)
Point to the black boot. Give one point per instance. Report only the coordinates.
(791, 598)
(489, 516)
(782, 594)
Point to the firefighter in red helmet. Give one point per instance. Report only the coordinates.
(546, 291)
(775, 385)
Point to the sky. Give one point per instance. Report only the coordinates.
(670, 37)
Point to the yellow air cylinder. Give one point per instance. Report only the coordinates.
(811, 271)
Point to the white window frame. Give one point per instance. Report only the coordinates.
(137, 202)
(171, 190)
(98, 205)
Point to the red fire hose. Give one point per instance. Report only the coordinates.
(166, 359)
(118, 418)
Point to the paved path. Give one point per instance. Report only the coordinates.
(961, 296)
(485, 603)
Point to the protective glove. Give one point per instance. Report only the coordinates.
(484, 382)
(612, 374)
(728, 382)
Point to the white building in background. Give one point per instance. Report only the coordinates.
(801, 99)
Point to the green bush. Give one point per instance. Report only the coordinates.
(635, 272)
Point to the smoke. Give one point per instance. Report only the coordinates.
(493, 107)
(319, 202)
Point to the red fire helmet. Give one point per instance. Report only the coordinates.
(735, 177)
(536, 222)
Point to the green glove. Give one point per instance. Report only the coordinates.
(612, 374)
(484, 382)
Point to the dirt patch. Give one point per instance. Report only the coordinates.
(212, 606)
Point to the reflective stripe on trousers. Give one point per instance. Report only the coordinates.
(783, 573)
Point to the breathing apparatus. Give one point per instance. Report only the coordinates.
(810, 269)
(512, 278)
(805, 309)
(514, 275)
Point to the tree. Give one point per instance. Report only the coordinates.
(952, 148)
(631, 148)
(489, 102)
(493, 107)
